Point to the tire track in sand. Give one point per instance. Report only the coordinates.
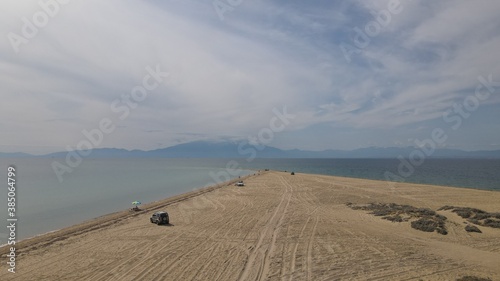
(271, 229)
(294, 251)
(309, 251)
(285, 249)
(210, 242)
(140, 258)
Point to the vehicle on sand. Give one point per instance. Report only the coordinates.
(160, 218)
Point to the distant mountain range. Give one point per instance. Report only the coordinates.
(206, 149)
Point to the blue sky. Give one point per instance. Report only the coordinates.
(352, 73)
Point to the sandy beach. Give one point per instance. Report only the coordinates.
(277, 227)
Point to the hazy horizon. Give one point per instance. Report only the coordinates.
(249, 146)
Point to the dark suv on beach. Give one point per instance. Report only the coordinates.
(160, 218)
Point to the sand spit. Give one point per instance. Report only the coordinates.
(277, 227)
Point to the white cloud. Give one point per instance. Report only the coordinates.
(226, 77)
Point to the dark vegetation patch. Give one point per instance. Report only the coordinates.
(476, 216)
(430, 225)
(473, 278)
(472, 228)
(424, 219)
(492, 223)
(395, 218)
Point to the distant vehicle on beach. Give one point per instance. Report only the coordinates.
(160, 218)
(240, 183)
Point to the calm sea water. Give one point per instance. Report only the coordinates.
(471, 173)
(101, 186)
(97, 187)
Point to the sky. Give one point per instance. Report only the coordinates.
(292, 74)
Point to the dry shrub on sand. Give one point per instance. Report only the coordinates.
(472, 228)
(427, 219)
(396, 218)
(430, 225)
(492, 223)
(426, 225)
(476, 216)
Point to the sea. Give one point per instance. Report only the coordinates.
(97, 187)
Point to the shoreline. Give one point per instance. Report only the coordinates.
(389, 183)
(277, 227)
(110, 218)
(434, 172)
(199, 191)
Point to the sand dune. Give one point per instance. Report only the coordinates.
(277, 227)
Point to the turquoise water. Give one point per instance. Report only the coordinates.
(98, 187)
(101, 186)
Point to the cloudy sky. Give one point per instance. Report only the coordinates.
(352, 73)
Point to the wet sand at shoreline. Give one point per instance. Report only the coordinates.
(277, 227)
